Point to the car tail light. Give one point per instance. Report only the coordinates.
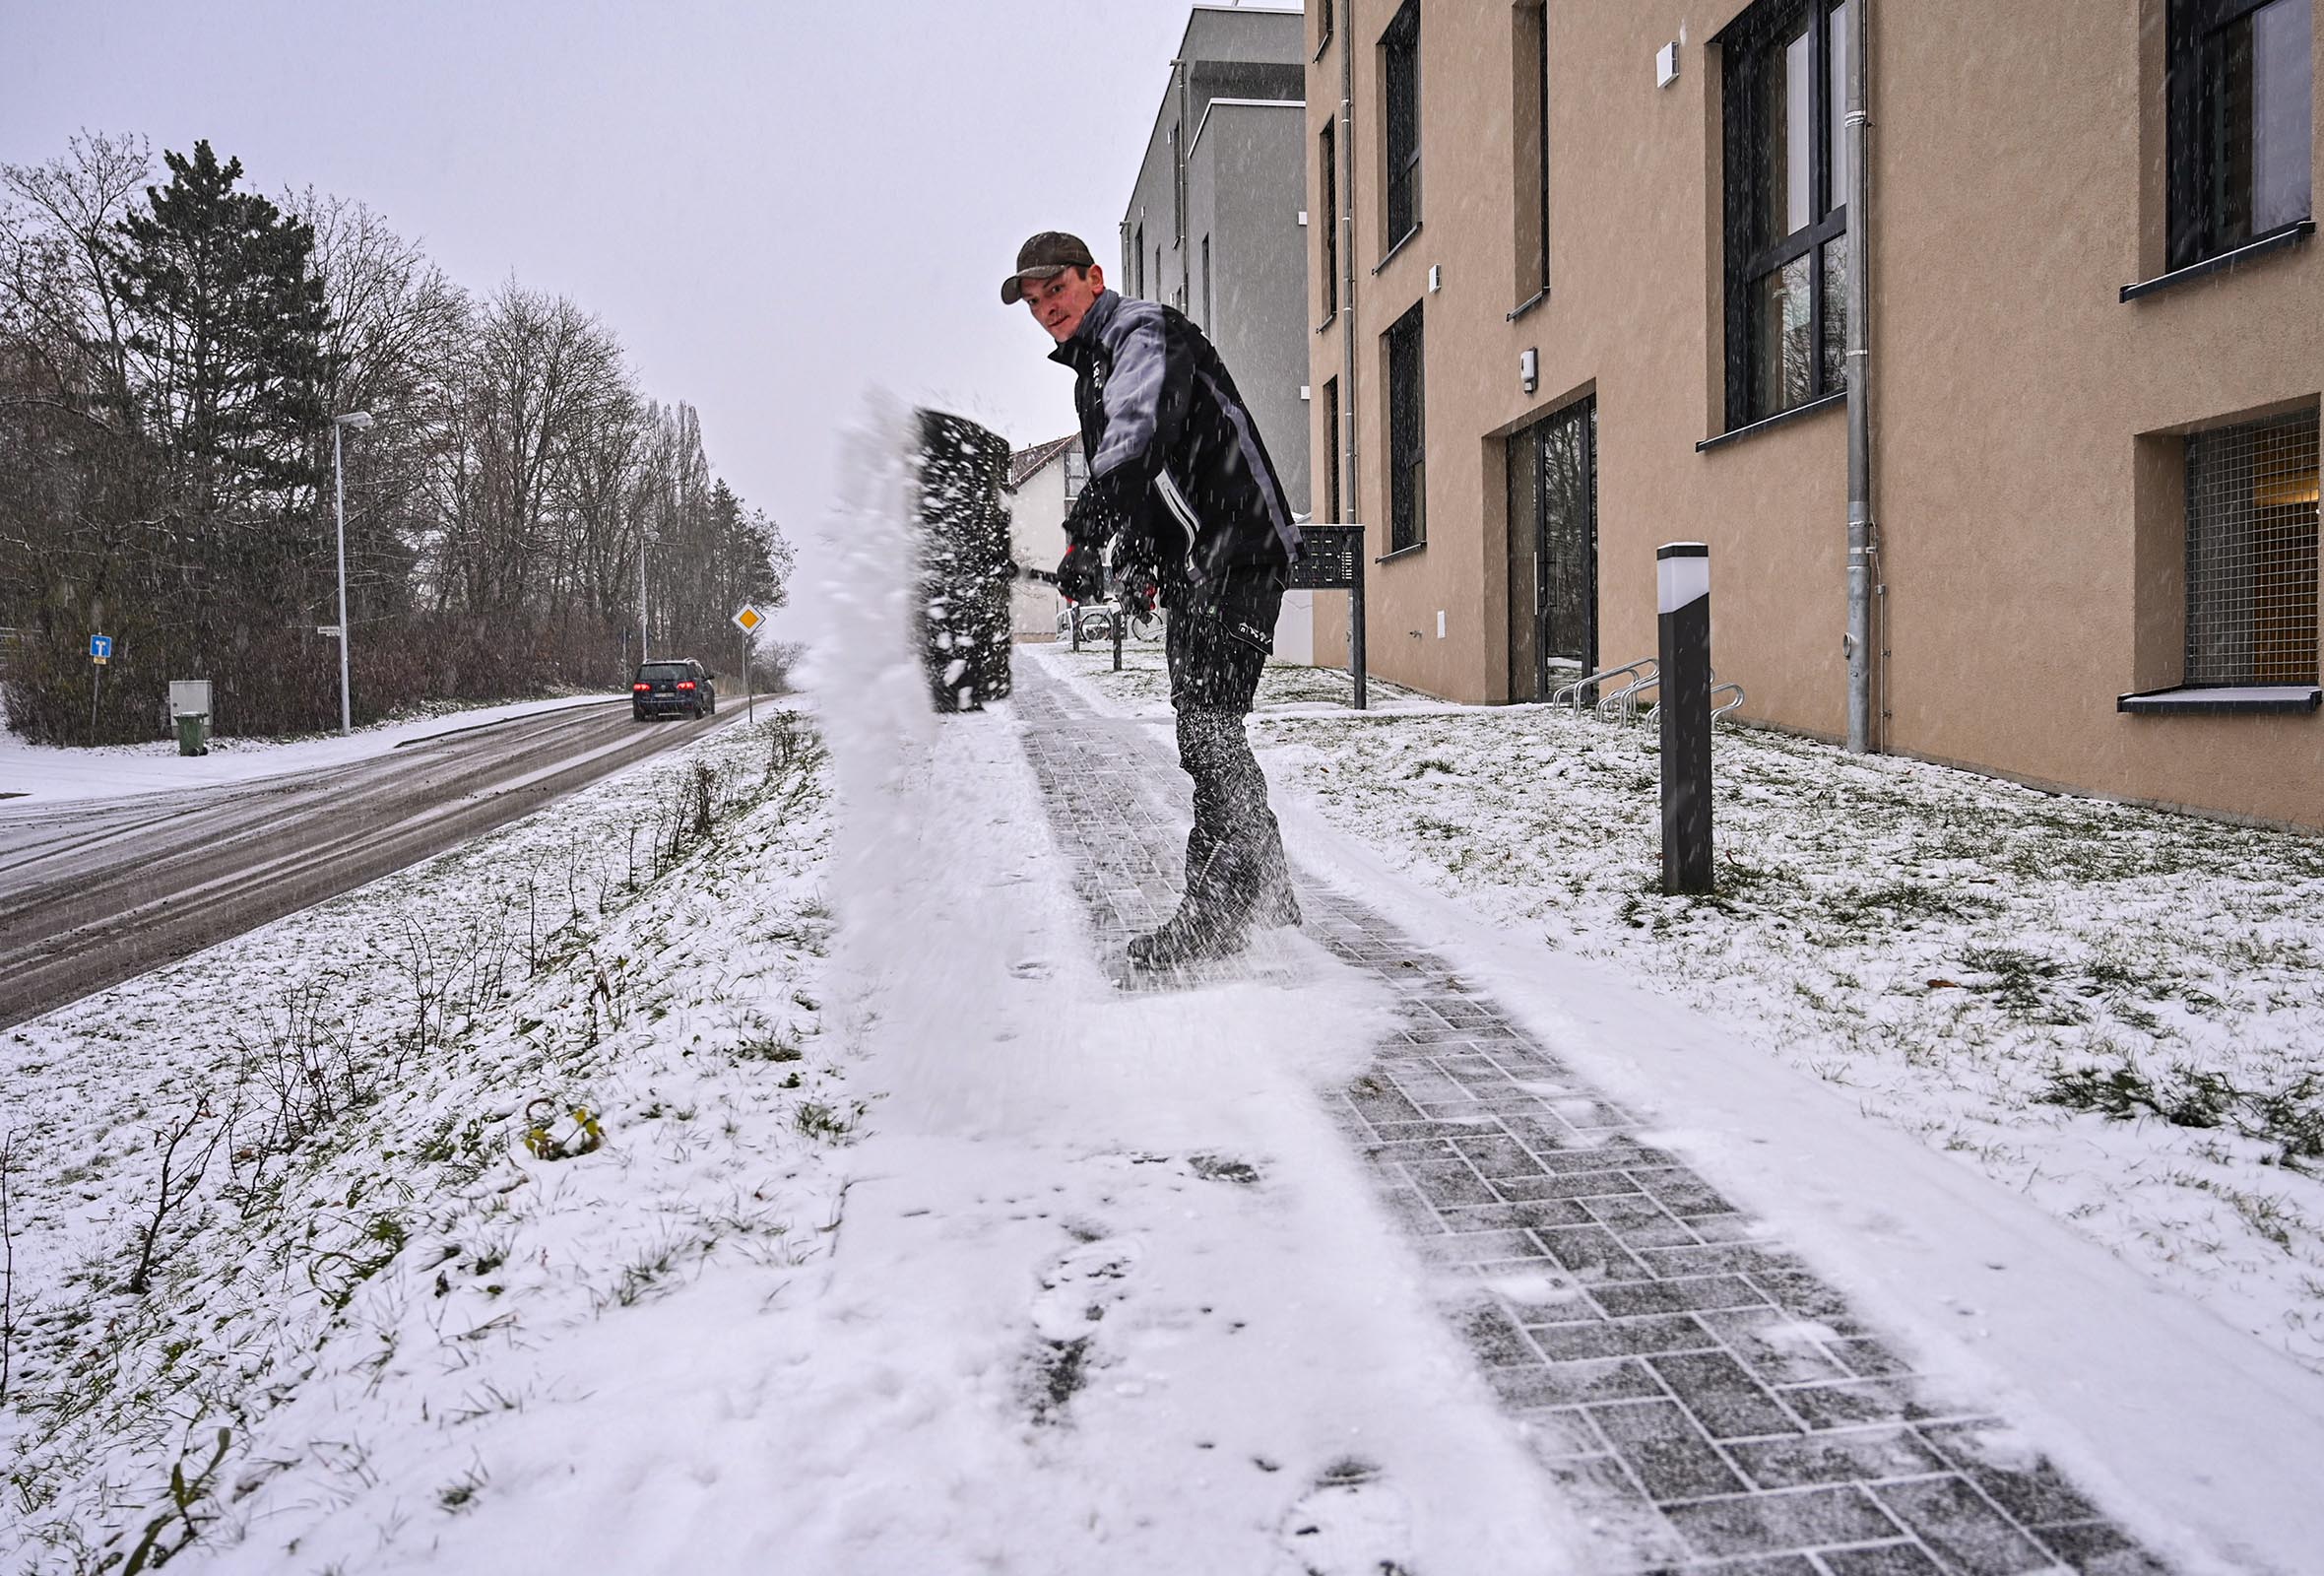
(642, 689)
(685, 684)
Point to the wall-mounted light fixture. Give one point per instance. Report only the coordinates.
(1529, 369)
(1436, 278)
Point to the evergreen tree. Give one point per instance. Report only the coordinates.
(227, 319)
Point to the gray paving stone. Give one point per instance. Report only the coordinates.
(1447, 1182)
(1565, 1185)
(1494, 1336)
(1704, 1293)
(1722, 1395)
(1498, 1158)
(1879, 1560)
(1848, 1403)
(1595, 1254)
(2032, 1491)
(1962, 1528)
(1574, 1384)
(1864, 1455)
(1548, 1215)
(1774, 1346)
(2097, 1548)
(1665, 1452)
(1776, 1522)
(1560, 1432)
(1576, 1340)
(1481, 1247)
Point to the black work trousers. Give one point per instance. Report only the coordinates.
(1216, 646)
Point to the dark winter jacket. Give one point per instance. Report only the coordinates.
(1175, 460)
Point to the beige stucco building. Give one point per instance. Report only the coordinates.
(1531, 371)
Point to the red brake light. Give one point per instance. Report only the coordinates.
(685, 684)
(640, 688)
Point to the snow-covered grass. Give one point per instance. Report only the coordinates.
(2116, 1011)
(34, 772)
(296, 1216)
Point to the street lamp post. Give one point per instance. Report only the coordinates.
(358, 420)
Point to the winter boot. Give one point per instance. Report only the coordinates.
(1213, 918)
(1275, 905)
(1195, 934)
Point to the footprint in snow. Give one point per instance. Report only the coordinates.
(1080, 1284)
(1031, 968)
(1351, 1523)
(1077, 1290)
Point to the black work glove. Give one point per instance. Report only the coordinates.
(1135, 585)
(1092, 521)
(1081, 573)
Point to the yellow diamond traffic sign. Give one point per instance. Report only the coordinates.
(749, 618)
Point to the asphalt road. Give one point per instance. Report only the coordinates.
(97, 892)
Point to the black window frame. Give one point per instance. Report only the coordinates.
(1178, 187)
(1209, 321)
(1404, 354)
(2198, 224)
(1137, 279)
(1399, 75)
(1329, 156)
(1530, 36)
(1749, 47)
(1331, 514)
(2243, 556)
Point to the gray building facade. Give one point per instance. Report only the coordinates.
(1215, 224)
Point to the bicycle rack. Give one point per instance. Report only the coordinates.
(1570, 693)
(1722, 709)
(1622, 705)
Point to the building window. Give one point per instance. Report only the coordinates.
(1400, 73)
(1209, 319)
(1530, 160)
(1328, 168)
(2240, 95)
(1786, 213)
(1178, 190)
(2251, 553)
(1076, 471)
(1331, 514)
(1137, 264)
(1408, 437)
(1322, 25)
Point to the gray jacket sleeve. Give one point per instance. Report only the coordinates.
(1147, 396)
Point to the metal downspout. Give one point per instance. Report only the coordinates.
(1863, 538)
(1180, 193)
(1346, 219)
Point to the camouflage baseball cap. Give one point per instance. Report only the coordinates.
(1045, 256)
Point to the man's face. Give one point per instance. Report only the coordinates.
(1058, 302)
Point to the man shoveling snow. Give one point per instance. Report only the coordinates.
(1184, 504)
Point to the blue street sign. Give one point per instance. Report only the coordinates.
(100, 646)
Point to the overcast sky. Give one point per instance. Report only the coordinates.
(774, 204)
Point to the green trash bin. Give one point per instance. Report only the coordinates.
(193, 733)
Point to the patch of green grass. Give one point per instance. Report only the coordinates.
(779, 1047)
(2291, 1118)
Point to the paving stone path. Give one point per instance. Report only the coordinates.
(1706, 1401)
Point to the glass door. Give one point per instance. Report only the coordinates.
(1553, 552)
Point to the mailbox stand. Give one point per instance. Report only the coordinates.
(1331, 558)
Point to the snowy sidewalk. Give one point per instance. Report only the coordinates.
(1707, 1400)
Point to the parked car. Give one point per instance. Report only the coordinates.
(673, 685)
